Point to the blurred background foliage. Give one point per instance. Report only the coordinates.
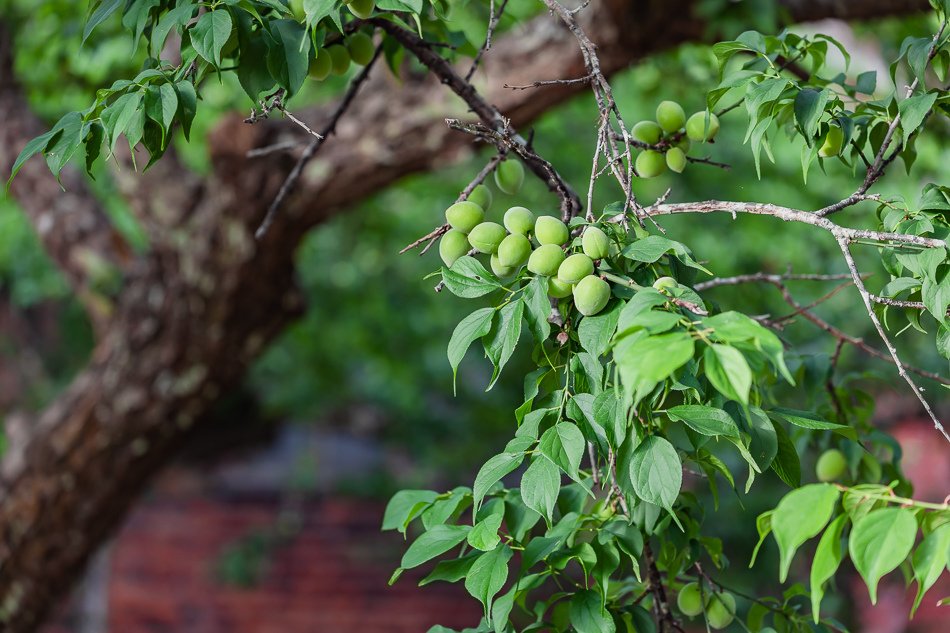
(374, 334)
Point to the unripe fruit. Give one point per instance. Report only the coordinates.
(453, 245)
(664, 283)
(650, 164)
(296, 8)
(514, 250)
(684, 144)
(558, 289)
(481, 195)
(486, 237)
(670, 116)
(339, 59)
(591, 294)
(690, 600)
(832, 464)
(545, 260)
(647, 132)
(833, 142)
(721, 610)
(361, 8)
(697, 130)
(321, 65)
(519, 220)
(676, 160)
(595, 242)
(550, 230)
(361, 48)
(509, 176)
(464, 216)
(500, 269)
(575, 268)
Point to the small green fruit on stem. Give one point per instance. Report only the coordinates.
(481, 195)
(362, 9)
(550, 230)
(720, 610)
(690, 600)
(697, 129)
(575, 268)
(321, 65)
(831, 465)
(500, 269)
(670, 116)
(519, 220)
(464, 216)
(486, 237)
(339, 58)
(647, 132)
(595, 242)
(361, 48)
(514, 250)
(545, 260)
(676, 159)
(509, 176)
(833, 142)
(558, 289)
(591, 294)
(650, 164)
(453, 245)
(665, 283)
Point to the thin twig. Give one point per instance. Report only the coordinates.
(315, 145)
(492, 25)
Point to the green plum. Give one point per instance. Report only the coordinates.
(647, 132)
(833, 142)
(545, 260)
(676, 159)
(321, 65)
(720, 610)
(650, 164)
(514, 250)
(500, 269)
(339, 58)
(296, 8)
(595, 243)
(361, 48)
(481, 195)
(698, 130)
(670, 116)
(550, 230)
(453, 245)
(362, 9)
(519, 220)
(665, 283)
(464, 216)
(575, 268)
(591, 294)
(831, 465)
(486, 237)
(558, 289)
(509, 176)
(690, 600)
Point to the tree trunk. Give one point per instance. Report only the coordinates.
(206, 298)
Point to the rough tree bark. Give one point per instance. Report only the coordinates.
(206, 298)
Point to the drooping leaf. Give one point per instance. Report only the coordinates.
(432, 543)
(828, 557)
(472, 327)
(210, 33)
(540, 486)
(588, 614)
(800, 515)
(879, 542)
(564, 445)
(656, 472)
(930, 560)
(488, 575)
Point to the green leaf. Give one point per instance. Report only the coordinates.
(451, 570)
(929, 561)
(402, 507)
(491, 473)
(484, 536)
(800, 515)
(764, 442)
(935, 294)
(288, 57)
(488, 575)
(646, 361)
(705, 420)
(210, 34)
(735, 328)
(879, 542)
(176, 17)
(31, 149)
(187, 105)
(540, 486)
(474, 326)
(588, 614)
(808, 420)
(763, 525)
(728, 371)
(653, 247)
(809, 106)
(538, 309)
(100, 10)
(503, 337)
(67, 137)
(828, 557)
(596, 331)
(656, 472)
(786, 464)
(316, 10)
(564, 445)
(913, 111)
(435, 542)
(611, 416)
(468, 279)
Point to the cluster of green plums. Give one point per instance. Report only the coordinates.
(670, 137)
(357, 48)
(720, 607)
(537, 243)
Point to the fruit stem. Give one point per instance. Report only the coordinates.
(620, 280)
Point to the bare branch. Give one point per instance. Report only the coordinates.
(492, 25)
